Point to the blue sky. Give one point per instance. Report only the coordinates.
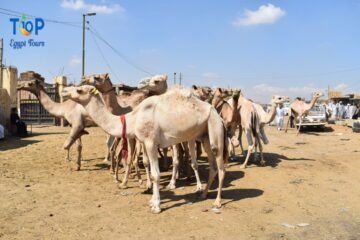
(262, 47)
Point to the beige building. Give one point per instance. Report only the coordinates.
(8, 96)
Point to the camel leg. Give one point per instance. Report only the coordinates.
(146, 166)
(198, 150)
(298, 131)
(262, 161)
(186, 163)
(212, 168)
(109, 142)
(240, 139)
(128, 162)
(165, 164)
(136, 161)
(263, 136)
(172, 184)
(117, 163)
(194, 165)
(250, 148)
(67, 158)
(79, 149)
(113, 154)
(287, 124)
(151, 150)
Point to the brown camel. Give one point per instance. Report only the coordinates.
(152, 124)
(73, 112)
(299, 109)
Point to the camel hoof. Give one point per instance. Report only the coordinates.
(141, 182)
(203, 195)
(106, 160)
(171, 186)
(123, 186)
(148, 191)
(242, 166)
(217, 204)
(77, 168)
(262, 163)
(156, 210)
(198, 189)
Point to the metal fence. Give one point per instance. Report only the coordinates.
(33, 112)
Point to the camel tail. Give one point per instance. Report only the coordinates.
(226, 146)
(255, 129)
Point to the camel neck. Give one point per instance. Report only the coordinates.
(110, 123)
(271, 115)
(111, 102)
(217, 102)
(312, 102)
(54, 108)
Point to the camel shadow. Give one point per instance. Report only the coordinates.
(34, 134)
(98, 167)
(15, 142)
(271, 159)
(231, 195)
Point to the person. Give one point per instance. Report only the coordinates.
(15, 120)
(356, 112)
(2, 132)
(280, 113)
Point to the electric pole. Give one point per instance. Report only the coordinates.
(180, 78)
(174, 78)
(1, 61)
(83, 43)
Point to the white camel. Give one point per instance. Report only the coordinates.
(152, 124)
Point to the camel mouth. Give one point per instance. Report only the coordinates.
(65, 93)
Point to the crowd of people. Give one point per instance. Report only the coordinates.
(340, 111)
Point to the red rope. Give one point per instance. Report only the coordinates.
(124, 149)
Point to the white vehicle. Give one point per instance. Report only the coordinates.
(315, 118)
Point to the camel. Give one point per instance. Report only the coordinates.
(152, 125)
(299, 109)
(250, 121)
(115, 104)
(268, 117)
(73, 112)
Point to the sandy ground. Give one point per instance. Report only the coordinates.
(312, 179)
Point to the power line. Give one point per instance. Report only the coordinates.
(103, 56)
(126, 59)
(19, 14)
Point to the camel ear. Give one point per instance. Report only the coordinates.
(220, 90)
(106, 75)
(80, 91)
(194, 87)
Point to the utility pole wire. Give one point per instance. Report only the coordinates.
(126, 59)
(103, 56)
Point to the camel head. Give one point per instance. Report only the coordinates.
(203, 93)
(80, 94)
(101, 81)
(277, 99)
(222, 92)
(33, 86)
(156, 84)
(317, 95)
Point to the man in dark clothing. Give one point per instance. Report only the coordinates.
(21, 129)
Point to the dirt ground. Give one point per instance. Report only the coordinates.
(312, 180)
